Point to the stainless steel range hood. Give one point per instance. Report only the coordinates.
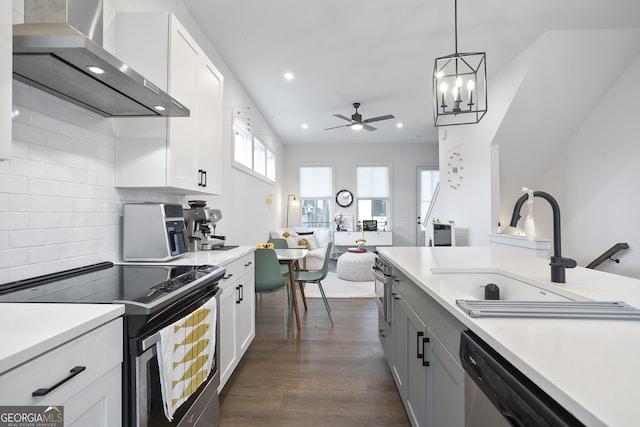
(51, 54)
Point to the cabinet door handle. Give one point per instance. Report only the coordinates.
(419, 345)
(241, 292)
(238, 296)
(199, 177)
(425, 341)
(72, 373)
(382, 334)
(248, 264)
(204, 178)
(228, 276)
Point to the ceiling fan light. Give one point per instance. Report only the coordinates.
(356, 126)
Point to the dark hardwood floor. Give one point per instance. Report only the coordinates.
(321, 376)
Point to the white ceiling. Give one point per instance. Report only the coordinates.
(376, 52)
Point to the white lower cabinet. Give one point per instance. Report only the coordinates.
(91, 397)
(424, 360)
(237, 314)
(373, 238)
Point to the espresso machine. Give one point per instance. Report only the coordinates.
(201, 226)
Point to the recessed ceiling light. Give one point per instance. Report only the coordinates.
(399, 125)
(95, 70)
(159, 107)
(288, 76)
(304, 126)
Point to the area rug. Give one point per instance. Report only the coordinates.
(335, 287)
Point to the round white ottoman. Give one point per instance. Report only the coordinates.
(355, 267)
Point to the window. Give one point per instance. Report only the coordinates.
(372, 191)
(251, 155)
(259, 157)
(316, 192)
(242, 145)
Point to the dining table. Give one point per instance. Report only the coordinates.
(291, 258)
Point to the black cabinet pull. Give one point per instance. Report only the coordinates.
(248, 264)
(382, 334)
(419, 345)
(72, 373)
(241, 292)
(425, 341)
(228, 276)
(200, 177)
(204, 178)
(238, 296)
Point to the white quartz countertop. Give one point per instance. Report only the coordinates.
(31, 329)
(215, 257)
(590, 367)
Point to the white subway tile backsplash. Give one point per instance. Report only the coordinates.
(45, 122)
(44, 187)
(23, 95)
(59, 173)
(20, 150)
(26, 167)
(44, 154)
(14, 221)
(60, 235)
(13, 257)
(26, 133)
(73, 160)
(73, 189)
(60, 142)
(84, 205)
(84, 176)
(59, 208)
(14, 184)
(26, 203)
(25, 238)
(44, 220)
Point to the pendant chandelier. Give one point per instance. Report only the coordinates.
(459, 86)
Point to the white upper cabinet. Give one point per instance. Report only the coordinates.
(180, 154)
(6, 55)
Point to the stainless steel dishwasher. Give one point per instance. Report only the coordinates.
(497, 394)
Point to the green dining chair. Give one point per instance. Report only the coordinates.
(269, 278)
(317, 277)
(280, 244)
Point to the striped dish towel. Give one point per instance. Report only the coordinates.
(185, 355)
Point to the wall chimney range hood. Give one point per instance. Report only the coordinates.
(52, 52)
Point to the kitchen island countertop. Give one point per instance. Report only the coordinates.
(588, 366)
(31, 329)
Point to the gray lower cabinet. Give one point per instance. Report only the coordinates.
(423, 357)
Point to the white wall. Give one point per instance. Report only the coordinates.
(595, 176)
(402, 158)
(562, 120)
(58, 205)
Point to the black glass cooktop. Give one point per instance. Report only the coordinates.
(141, 285)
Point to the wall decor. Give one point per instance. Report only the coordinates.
(344, 198)
(454, 170)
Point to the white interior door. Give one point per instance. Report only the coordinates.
(427, 180)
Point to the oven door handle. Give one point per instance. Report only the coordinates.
(377, 276)
(149, 342)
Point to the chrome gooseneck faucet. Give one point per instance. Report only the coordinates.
(558, 263)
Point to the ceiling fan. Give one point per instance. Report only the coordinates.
(356, 121)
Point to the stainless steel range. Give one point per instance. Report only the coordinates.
(154, 297)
